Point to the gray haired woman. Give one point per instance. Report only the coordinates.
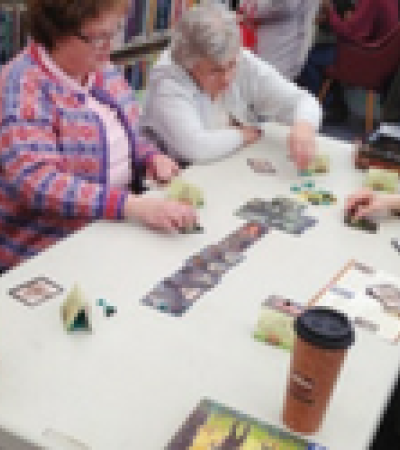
(207, 96)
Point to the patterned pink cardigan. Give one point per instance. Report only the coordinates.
(54, 155)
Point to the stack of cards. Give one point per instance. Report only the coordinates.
(202, 271)
(281, 213)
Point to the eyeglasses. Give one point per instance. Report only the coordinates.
(100, 41)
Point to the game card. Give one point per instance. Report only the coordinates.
(191, 283)
(276, 320)
(244, 237)
(230, 256)
(370, 298)
(167, 298)
(209, 261)
(218, 260)
(281, 213)
(261, 165)
(35, 291)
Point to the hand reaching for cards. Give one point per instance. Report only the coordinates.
(301, 142)
(159, 214)
(367, 202)
(162, 168)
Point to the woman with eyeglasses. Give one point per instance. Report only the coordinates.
(70, 151)
(208, 97)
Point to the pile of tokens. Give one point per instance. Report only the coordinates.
(307, 192)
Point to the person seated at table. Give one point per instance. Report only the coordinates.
(69, 142)
(207, 96)
(368, 21)
(367, 202)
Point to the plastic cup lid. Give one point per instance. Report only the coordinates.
(325, 327)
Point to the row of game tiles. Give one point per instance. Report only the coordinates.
(202, 271)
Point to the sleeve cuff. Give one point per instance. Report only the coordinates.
(113, 206)
(148, 159)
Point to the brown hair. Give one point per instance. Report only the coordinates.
(51, 20)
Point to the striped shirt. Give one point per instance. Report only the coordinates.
(55, 154)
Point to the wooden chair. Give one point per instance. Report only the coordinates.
(366, 65)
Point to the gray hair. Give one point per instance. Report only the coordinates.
(208, 30)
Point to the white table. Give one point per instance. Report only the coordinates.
(130, 384)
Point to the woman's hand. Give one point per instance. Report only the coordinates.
(250, 134)
(162, 168)
(367, 202)
(301, 142)
(159, 214)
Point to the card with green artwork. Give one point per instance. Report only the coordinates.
(275, 322)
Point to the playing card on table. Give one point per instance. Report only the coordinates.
(275, 322)
(256, 206)
(261, 165)
(167, 298)
(244, 237)
(228, 255)
(194, 276)
(298, 226)
(35, 291)
(190, 287)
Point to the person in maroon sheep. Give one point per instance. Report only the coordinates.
(369, 21)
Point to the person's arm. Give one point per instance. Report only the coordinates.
(173, 116)
(37, 180)
(366, 202)
(275, 97)
(358, 26)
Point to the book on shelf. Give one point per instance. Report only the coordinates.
(148, 17)
(136, 72)
(147, 30)
(13, 35)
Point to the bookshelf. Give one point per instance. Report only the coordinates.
(141, 46)
(146, 32)
(12, 29)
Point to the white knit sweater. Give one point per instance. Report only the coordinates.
(192, 126)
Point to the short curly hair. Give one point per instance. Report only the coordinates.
(51, 20)
(207, 30)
